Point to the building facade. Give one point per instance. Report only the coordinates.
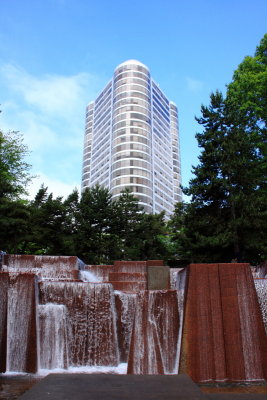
(132, 140)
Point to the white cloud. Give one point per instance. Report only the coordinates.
(49, 111)
(52, 94)
(194, 85)
(36, 131)
(55, 186)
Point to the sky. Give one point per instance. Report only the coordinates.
(57, 55)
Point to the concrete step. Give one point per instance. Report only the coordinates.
(127, 276)
(130, 266)
(129, 286)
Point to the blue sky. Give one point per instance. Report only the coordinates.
(57, 55)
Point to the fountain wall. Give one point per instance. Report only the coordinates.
(92, 337)
(56, 312)
(19, 342)
(224, 337)
(153, 348)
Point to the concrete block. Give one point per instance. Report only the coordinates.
(158, 277)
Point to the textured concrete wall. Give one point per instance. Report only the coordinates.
(125, 309)
(92, 336)
(224, 337)
(130, 266)
(261, 288)
(158, 277)
(48, 267)
(18, 300)
(154, 339)
(4, 283)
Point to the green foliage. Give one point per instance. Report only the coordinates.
(227, 215)
(126, 225)
(14, 177)
(94, 241)
(95, 228)
(14, 171)
(153, 238)
(14, 217)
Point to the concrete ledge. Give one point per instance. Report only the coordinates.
(158, 277)
(114, 387)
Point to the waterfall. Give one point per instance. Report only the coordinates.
(21, 346)
(248, 323)
(4, 284)
(210, 323)
(87, 276)
(125, 310)
(154, 339)
(91, 319)
(178, 277)
(53, 336)
(261, 288)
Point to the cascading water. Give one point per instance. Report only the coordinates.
(80, 324)
(178, 279)
(125, 309)
(248, 322)
(21, 341)
(87, 276)
(153, 348)
(53, 328)
(261, 288)
(4, 285)
(91, 317)
(45, 267)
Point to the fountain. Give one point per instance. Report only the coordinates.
(57, 313)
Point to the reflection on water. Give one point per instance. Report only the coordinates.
(11, 387)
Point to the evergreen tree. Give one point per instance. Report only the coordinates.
(14, 170)
(153, 237)
(50, 225)
(14, 177)
(94, 242)
(227, 215)
(127, 222)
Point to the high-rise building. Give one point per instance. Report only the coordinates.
(132, 140)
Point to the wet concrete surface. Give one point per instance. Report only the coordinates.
(114, 387)
(227, 388)
(11, 387)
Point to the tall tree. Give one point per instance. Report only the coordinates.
(152, 234)
(94, 243)
(227, 215)
(14, 177)
(129, 215)
(49, 230)
(14, 170)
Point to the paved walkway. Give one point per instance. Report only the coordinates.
(124, 387)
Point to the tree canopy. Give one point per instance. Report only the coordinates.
(14, 170)
(226, 218)
(14, 177)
